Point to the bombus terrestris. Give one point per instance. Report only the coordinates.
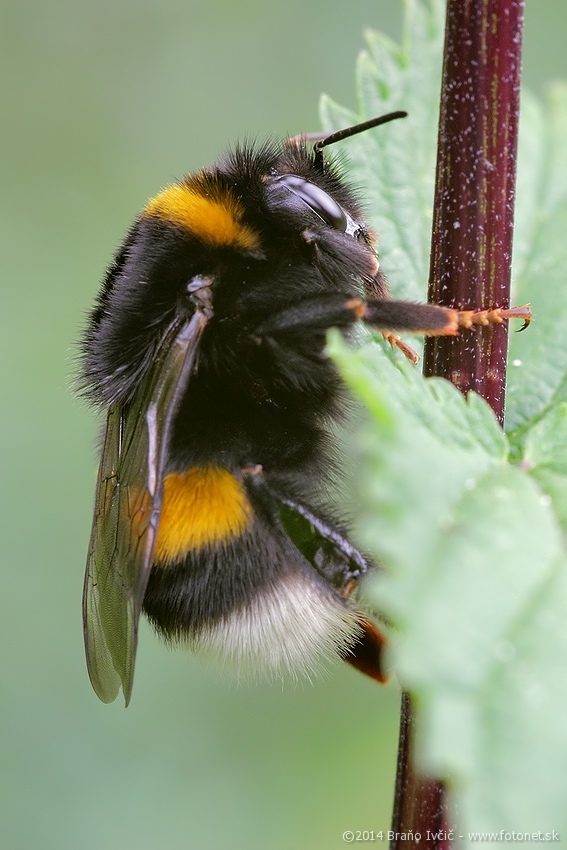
(206, 349)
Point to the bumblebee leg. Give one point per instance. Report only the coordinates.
(367, 654)
(385, 315)
(302, 525)
(321, 313)
(397, 342)
(430, 319)
(343, 565)
(358, 564)
(331, 555)
(469, 318)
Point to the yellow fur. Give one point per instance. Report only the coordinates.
(215, 220)
(204, 505)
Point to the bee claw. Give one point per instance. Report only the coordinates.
(468, 319)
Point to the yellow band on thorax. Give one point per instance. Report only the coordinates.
(215, 219)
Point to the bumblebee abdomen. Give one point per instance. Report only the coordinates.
(253, 601)
(236, 585)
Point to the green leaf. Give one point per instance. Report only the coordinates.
(538, 373)
(473, 547)
(545, 456)
(546, 442)
(396, 166)
(415, 468)
(396, 163)
(475, 578)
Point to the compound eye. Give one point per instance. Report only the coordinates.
(320, 202)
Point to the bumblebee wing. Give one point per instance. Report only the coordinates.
(127, 509)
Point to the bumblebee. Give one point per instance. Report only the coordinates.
(206, 349)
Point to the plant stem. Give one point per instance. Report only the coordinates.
(474, 192)
(470, 268)
(419, 802)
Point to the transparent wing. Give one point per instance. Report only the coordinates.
(127, 508)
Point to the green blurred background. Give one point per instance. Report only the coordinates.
(105, 102)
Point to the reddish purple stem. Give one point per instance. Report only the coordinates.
(470, 268)
(474, 192)
(420, 818)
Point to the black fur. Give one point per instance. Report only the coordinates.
(262, 393)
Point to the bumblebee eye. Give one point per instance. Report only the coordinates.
(320, 202)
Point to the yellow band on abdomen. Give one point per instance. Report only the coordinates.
(204, 505)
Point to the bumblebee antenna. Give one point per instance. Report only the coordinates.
(339, 135)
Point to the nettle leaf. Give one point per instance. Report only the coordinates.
(415, 467)
(401, 155)
(470, 526)
(537, 375)
(395, 167)
(474, 580)
(545, 457)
